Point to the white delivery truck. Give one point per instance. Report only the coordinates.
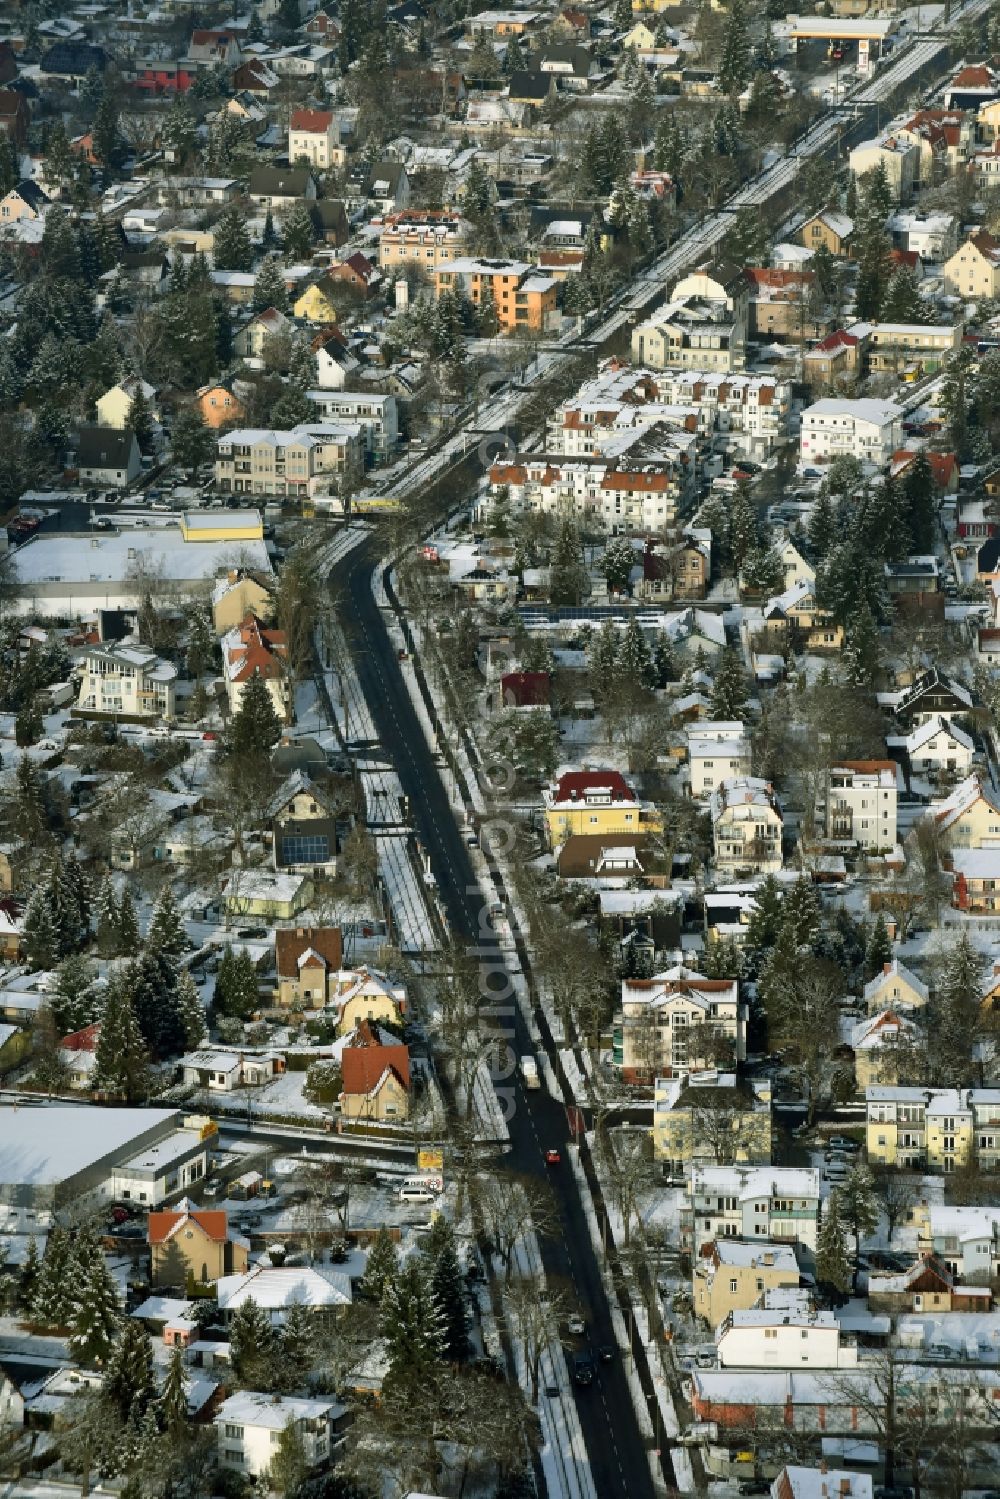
(529, 1071)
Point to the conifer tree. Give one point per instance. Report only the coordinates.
(128, 925)
(832, 1267)
(879, 949)
(129, 1381)
(729, 686)
(298, 234)
(413, 1325)
(736, 61)
(269, 287)
(140, 419)
(172, 1406)
(28, 1279)
(108, 932)
(255, 728)
(121, 1065)
(30, 817)
(41, 938)
(76, 1001)
(190, 1011)
(919, 503)
(449, 1290)
(154, 980)
(251, 1345)
(633, 662)
(381, 1268)
(232, 250)
(296, 1347)
(236, 987)
(53, 1299)
(858, 1204)
(166, 930)
(96, 1318)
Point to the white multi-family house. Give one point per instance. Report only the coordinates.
(932, 236)
(967, 1239)
(861, 803)
(250, 1428)
(127, 680)
(865, 429)
(751, 1202)
(787, 1332)
(660, 1014)
(746, 826)
(717, 751)
(901, 159)
(314, 139)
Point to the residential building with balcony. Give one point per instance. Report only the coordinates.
(717, 751)
(861, 803)
(791, 1334)
(936, 1129)
(748, 410)
(712, 1117)
(250, 1427)
(123, 679)
(424, 237)
(965, 1238)
(751, 1203)
(747, 827)
(669, 1023)
(865, 429)
(523, 296)
(306, 460)
(376, 415)
(314, 139)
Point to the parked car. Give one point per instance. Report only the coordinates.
(842, 1142)
(553, 1157)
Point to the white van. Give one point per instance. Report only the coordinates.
(416, 1194)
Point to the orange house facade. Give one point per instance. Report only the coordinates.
(219, 405)
(523, 296)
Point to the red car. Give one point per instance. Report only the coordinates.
(553, 1158)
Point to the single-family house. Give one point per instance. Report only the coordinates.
(893, 987)
(192, 1244)
(252, 650)
(108, 456)
(303, 824)
(307, 965)
(375, 1078)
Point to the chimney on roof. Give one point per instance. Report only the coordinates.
(886, 967)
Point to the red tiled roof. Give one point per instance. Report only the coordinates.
(260, 650)
(362, 1065)
(85, 1040)
(527, 689)
(291, 942)
(316, 120)
(574, 785)
(213, 1221)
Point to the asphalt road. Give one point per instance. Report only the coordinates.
(615, 1447)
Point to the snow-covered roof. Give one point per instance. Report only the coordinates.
(275, 1288)
(112, 557)
(43, 1146)
(273, 1412)
(891, 973)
